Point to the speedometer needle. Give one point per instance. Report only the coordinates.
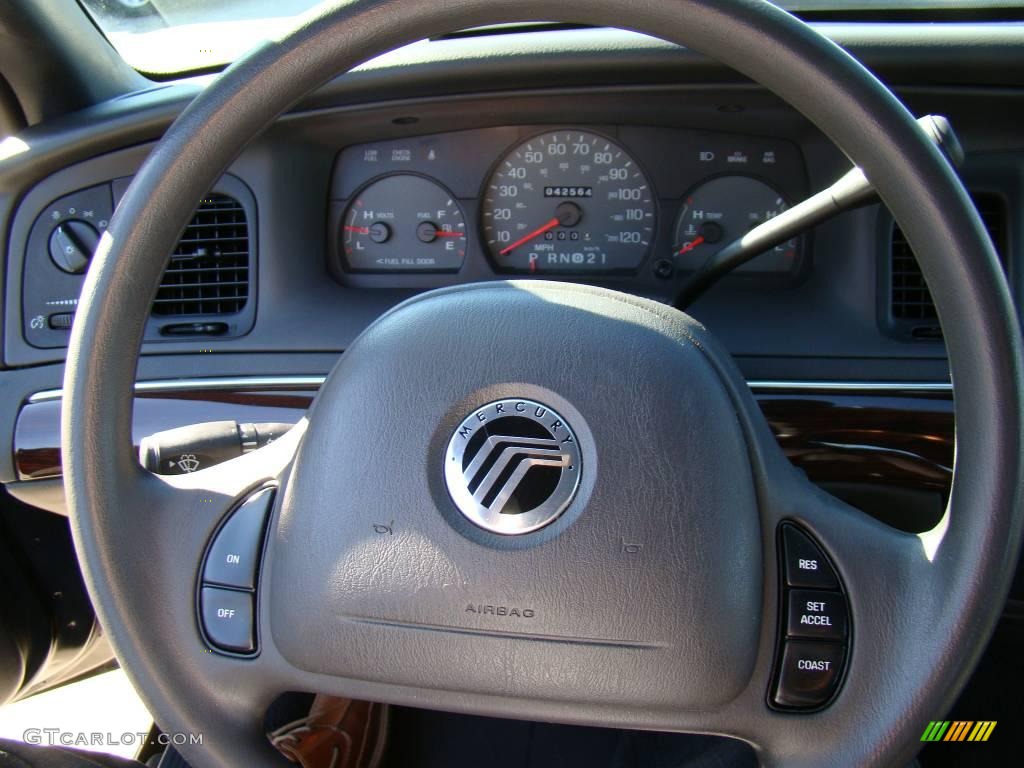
(550, 224)
(690, 245)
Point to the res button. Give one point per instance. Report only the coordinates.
(805, 564)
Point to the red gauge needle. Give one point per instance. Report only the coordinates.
(690, 245)
(550, 224)
(443, 233)
(358, 230)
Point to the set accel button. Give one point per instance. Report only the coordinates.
(818, 615)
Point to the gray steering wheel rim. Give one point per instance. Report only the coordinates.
(978, 540)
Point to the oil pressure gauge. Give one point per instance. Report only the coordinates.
(403, 223)
(723, 209)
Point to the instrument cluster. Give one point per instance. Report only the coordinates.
(608, 204)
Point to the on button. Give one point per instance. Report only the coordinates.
(235, 551)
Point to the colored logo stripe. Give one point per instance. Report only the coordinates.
(982, 730)
(935, 730)
(958, 730)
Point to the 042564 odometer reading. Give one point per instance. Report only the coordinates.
(568, 201)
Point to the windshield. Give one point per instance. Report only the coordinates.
(166, 37)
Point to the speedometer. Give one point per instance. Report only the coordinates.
(568, 201)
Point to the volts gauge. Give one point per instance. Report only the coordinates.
(403, 223)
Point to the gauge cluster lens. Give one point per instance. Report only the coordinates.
(722, 210)
(403, 223)
(568, 201)
(637, 209)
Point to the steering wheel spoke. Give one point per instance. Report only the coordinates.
(176, 515)
(875, 557)
(848, 599)
(173, 522)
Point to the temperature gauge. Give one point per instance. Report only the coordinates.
(403, 223)
(722, 210)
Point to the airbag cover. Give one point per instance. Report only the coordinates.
(647, 589)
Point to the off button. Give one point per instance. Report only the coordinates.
(227, 619)
(817, 615)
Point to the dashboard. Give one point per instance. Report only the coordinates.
(464, 159)
(637, 206)
(286, 276)
(631, 207)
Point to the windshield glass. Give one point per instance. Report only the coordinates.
(165, 37)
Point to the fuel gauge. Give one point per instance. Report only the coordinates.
(403, 223)
(723, 209)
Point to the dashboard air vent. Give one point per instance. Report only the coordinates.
(209, 270)
(910, 301)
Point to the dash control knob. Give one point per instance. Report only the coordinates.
(72, 244)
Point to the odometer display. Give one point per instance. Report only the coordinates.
(568, 201)
(564, 192)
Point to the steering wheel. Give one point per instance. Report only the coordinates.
(654, 598)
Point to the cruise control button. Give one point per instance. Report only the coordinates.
(818, 615)
(235, 551)
(227, 619)
(809, 673)
(805, 564)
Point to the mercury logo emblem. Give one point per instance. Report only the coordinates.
(512, 466)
